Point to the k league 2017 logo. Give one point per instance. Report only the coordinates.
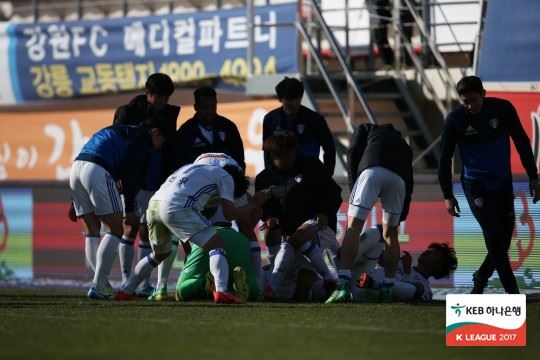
(485, 320)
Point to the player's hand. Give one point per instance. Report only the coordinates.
(534, 189)
(322, 220)
(261, 196)
(270, 224)
(406, 260)
(71, 213)
(452, 206)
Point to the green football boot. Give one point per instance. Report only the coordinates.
(342, 294)
(159, 295)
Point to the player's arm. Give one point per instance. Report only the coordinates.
(448, 145)
(523, 147)
(356, 150)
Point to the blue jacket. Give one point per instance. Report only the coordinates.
(123, 151)
(311, 130)
(484, 145)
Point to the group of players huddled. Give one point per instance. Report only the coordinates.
(142, 177)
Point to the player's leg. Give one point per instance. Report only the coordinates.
(392, 199)
(105, 198)
(145, 289)
(159, 234)
(125, 248)
(164, 270)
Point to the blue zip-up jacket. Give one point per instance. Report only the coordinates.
(311, 131)
(190, 142)
(122, 150)
(484, 145)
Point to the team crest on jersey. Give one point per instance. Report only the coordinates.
(222, 135)
(300, 128)
(479, 202)
(298, 178)
(494, 123)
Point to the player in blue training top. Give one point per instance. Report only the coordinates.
(115, 154)
(310, 127)
(482, 127)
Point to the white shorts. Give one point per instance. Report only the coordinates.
(93, 190)
(187, 224)
(375, 182)
(141, 203)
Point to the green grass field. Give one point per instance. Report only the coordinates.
(54, 324)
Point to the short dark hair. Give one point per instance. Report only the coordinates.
(289, 88)
(241, 182)
(159, 84)
(204, 91)
(154, 120)
(470, 84)
(448, 259)
(281, 142)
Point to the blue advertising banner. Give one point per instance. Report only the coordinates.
(510, 46)
(69, 59)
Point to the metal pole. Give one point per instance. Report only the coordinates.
(251, 38)
(35, 10)
(79, 9)
(396, 20)
(126, 7)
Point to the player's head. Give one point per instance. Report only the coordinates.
(157, 129)
(159, 87)
(471, 93)
(282, 147)
(439, 260)
(241, 183)
(205, 103)
(289, 92)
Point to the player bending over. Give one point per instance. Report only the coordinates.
(176, 209)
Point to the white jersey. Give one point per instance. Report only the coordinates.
(197, 186)
(217, 159)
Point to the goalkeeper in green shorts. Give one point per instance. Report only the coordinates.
(195, 282)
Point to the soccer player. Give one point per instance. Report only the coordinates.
(216, 217)
(379, 164)
(158, 89)
(196, 284)
(208, 132)
(113, 154)
(301, 281)
(301, 189)
(412, 282)
(482, 127)
(310, 127)
(176, 209)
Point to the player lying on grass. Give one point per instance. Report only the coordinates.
(302, 189)
(196, 281)
(300, 280)
(412, 282)
(176, 209)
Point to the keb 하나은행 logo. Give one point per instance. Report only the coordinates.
(485, 320)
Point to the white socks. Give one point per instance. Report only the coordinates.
(219, 268)
(164, 268)
(313, 252)
(143, 268)
(145, 249)
(125, 252)
(91, 244)
(106, 253)
(284, 260)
